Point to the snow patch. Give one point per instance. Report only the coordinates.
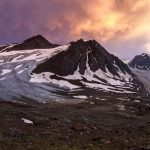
(5, 71)
(81, 97)
(27, 121)
(137, 101)
(46, 78)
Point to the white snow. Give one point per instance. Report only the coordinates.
(21, 71)
(46, 78)
(92, 103)
(18, 66)
(103, 99)
(5, 71)
(148, 105)
(81, 96)
(121, 107)
(143, 76)
(107, 76)
(18, 58)
(76, 75)
(126, 61)
(2, 78)
(35, 54)
(124, 99)
(105, 87)
(1, 61)
(137, 101)
(27, 121)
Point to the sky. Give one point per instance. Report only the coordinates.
(121, 26)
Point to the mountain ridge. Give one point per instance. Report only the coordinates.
(35, 42)
(81, 68)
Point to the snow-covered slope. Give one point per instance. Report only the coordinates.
(143, 76)
(15, 72)
(87, 64)
(140, 66)
(44, 74)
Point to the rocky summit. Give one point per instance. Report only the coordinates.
(141, 62)
(35, 42)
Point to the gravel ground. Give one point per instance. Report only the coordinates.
(107, 123)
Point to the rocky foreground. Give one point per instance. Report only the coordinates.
(107, 123)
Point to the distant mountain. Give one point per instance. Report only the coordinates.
(45, 71)
(141, 62)
(35, 42)
(140, 66)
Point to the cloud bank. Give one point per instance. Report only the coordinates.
(122, 26)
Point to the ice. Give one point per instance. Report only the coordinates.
(35, 54)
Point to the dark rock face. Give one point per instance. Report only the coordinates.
(2, 47)
(35, 42)
(79, 54)
(141, 62)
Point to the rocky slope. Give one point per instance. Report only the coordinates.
(112, 124)
(35, 42)
(141, 62)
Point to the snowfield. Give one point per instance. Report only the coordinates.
(143, 76)
(15, 74)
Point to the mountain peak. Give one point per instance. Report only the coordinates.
(141, 62)
(86, 45)
(35, 42)
(145, 54)
(37, 38)
(82, 41)
(78, 55)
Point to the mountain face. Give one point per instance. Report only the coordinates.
(140, 66)
(78, 69)
(3, 47)
(88, 64)
(141, 62)
(35, 42)
(78, 55)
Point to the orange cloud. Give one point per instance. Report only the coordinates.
(111, 19)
